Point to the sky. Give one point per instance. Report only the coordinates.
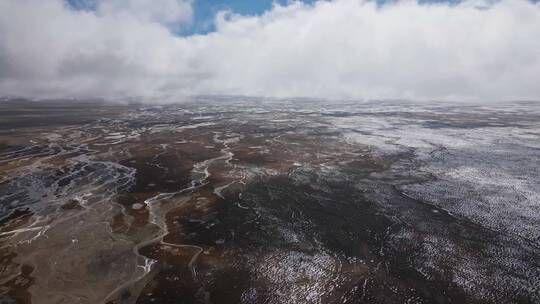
(204, 12)
(167, 50)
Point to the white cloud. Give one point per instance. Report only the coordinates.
(342, 48)
(167, 12)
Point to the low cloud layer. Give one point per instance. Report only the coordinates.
(332, 49)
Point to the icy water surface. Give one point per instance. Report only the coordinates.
(250, 201)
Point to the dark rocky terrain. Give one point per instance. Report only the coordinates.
(232, 200)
